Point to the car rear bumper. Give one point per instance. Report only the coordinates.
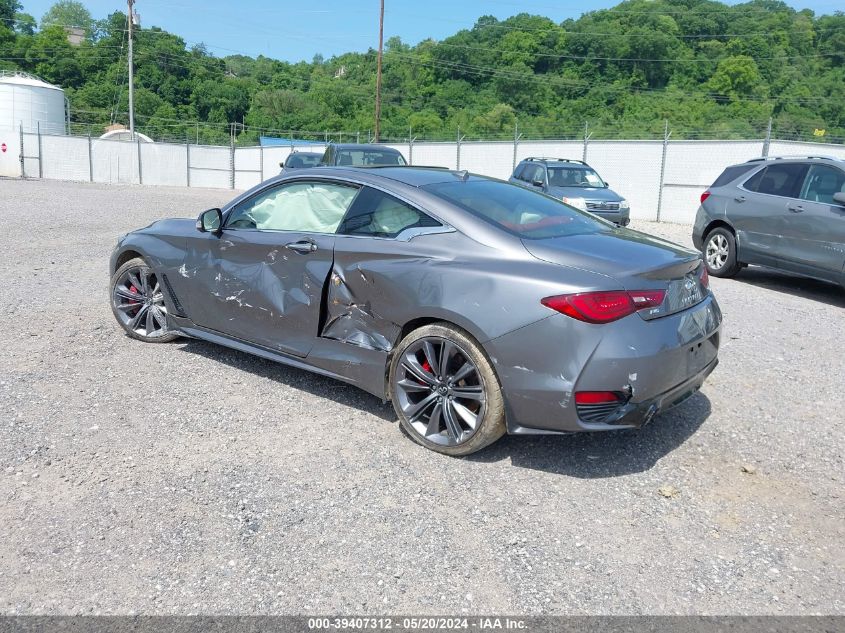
(653, 364)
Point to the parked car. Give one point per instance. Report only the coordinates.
(360, 155)
(574, 182)
(475, 306)
(301, 160)
(784, 213)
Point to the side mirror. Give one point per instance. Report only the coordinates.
(210, 221)
(839, 198)
(282, 164)
(606, 185)
(538, 182)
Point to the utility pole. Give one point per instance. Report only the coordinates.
(378, 69)
(130, 4)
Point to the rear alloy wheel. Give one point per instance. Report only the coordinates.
(445, 392)
(137, 301)
(720, 253)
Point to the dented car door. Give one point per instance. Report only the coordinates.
(261, 279)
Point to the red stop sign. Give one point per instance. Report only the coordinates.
(3, 148)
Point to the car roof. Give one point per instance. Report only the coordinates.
(546, 160)
(407, 175)
(296, 151)
(364, 147)
(770, 159)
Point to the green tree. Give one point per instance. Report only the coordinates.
(68, 13)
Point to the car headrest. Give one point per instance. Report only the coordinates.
(827, 184)
(391, 218)
(345, 159)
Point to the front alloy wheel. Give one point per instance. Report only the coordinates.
(138, 303)
(445, 391)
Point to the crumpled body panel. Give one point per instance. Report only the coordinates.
(350, 316)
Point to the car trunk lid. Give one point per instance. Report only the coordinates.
(636, 260)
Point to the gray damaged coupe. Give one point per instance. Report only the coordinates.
(476, 306)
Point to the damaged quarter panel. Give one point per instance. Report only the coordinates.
(162, 245)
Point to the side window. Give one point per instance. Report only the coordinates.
(730, 174)
(308, 207)
(532, 173)
(822, 183)
(752, 183)
(781, 180)
(380, 215)
(520, 169)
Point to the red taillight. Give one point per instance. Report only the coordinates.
(596, 397)
(604, 307)
(704, 196)
(704, 277)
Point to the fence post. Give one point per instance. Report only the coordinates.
(666, 135)
(410, 145)
(90, 157)
(232, 162)
(40, 161)
(587, 136)
(23, 167)
(187, 160)
(458, 151)
(516, 137)
(358, 138)
(261, 162)
(768, 140)
(140, 169)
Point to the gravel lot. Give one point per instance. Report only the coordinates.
(186, 478)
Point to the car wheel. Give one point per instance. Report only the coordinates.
(445, 391)
(720, 253)
(137, 301)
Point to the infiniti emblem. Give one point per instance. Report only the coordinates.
(442, 390)
(689, 284)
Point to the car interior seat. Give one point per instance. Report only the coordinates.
(392, 217)
(823, 189)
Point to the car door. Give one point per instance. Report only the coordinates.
(373, 289)
(814, 225)
(261, 279)
(758, 209)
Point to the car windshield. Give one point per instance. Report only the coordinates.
(517, 210)
(573, 176)
(296, 161)
(369, 158)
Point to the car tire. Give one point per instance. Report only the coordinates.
(137, 302)
(465, 409)
(719, 251)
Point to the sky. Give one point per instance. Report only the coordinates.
(295, 30)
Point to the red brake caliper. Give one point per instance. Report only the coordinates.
(427, 367)
(133, 290)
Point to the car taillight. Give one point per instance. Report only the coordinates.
(604, 307)
(596, 397)
(704, 276)
(704, 196)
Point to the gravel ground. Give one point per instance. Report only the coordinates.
(186, 478)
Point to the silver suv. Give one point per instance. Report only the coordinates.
(783, 212)
(574, 182)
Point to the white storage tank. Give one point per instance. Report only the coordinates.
(26, 100)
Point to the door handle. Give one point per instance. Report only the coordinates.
(304, 247)
(740, 199)
(795, 208)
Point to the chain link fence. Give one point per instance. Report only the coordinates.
(662, 178)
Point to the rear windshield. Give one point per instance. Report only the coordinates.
(525, 213)
(368, 158)
(297, 161)
(731, 174)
